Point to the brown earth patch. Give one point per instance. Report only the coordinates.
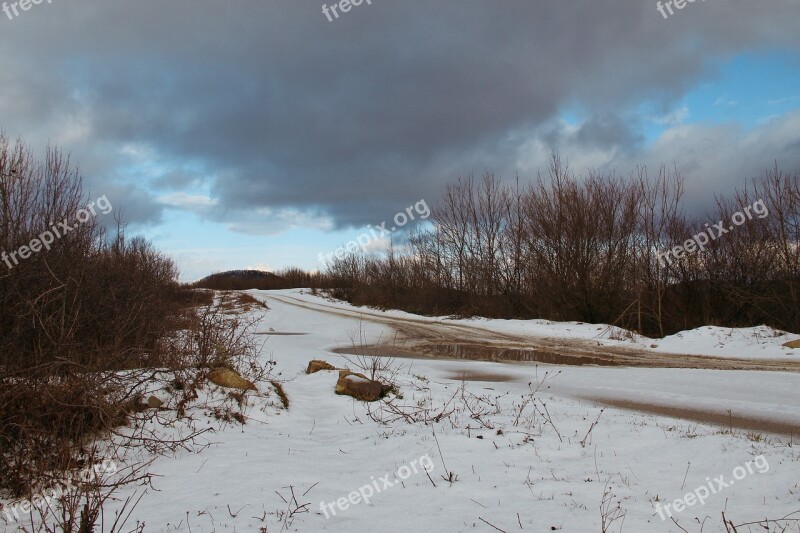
(726, 421)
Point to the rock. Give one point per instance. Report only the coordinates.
(360, 387)
(792, 344)
(154, 402)
(316, 365)
(230, 379)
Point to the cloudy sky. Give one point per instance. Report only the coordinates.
(257, 133)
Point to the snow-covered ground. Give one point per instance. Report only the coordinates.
(548, 461)
(760, 342)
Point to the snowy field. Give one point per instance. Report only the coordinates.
(513, 448)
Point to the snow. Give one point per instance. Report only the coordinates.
(761, 342)
(356, 379)
(515, 472)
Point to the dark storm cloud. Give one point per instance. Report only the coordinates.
(280, 108)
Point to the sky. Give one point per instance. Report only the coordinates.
(265, 133)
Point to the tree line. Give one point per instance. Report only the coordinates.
(596, 248)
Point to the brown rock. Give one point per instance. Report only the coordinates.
(230, 379)
(316, 365)
(792, 344)
(360, 387)
(154, 402)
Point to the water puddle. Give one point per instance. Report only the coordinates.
(477, 352)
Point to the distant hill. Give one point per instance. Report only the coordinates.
(239, 280)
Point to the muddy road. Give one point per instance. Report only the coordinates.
(440, 340)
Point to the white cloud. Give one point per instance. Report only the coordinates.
(714, 158)
(726, 101)
(677, 116)
(189, 202)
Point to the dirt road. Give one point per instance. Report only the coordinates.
(440, 340)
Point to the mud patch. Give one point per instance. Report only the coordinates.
(724, 421)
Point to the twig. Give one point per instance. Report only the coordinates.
(429, 477)
(311, 487)
(488, 524)
(676, 523)
(583, 442)
(686, 475)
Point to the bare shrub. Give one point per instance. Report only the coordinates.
(89, 327)
(376, 366)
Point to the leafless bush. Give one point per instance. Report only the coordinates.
(293, 508)
(375, 366)
(611, 511)
(89, 326)
(82, 508)
(214, 338)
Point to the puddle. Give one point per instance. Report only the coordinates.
(476, 352)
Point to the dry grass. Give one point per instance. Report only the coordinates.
(281, 392)
(240, 303)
